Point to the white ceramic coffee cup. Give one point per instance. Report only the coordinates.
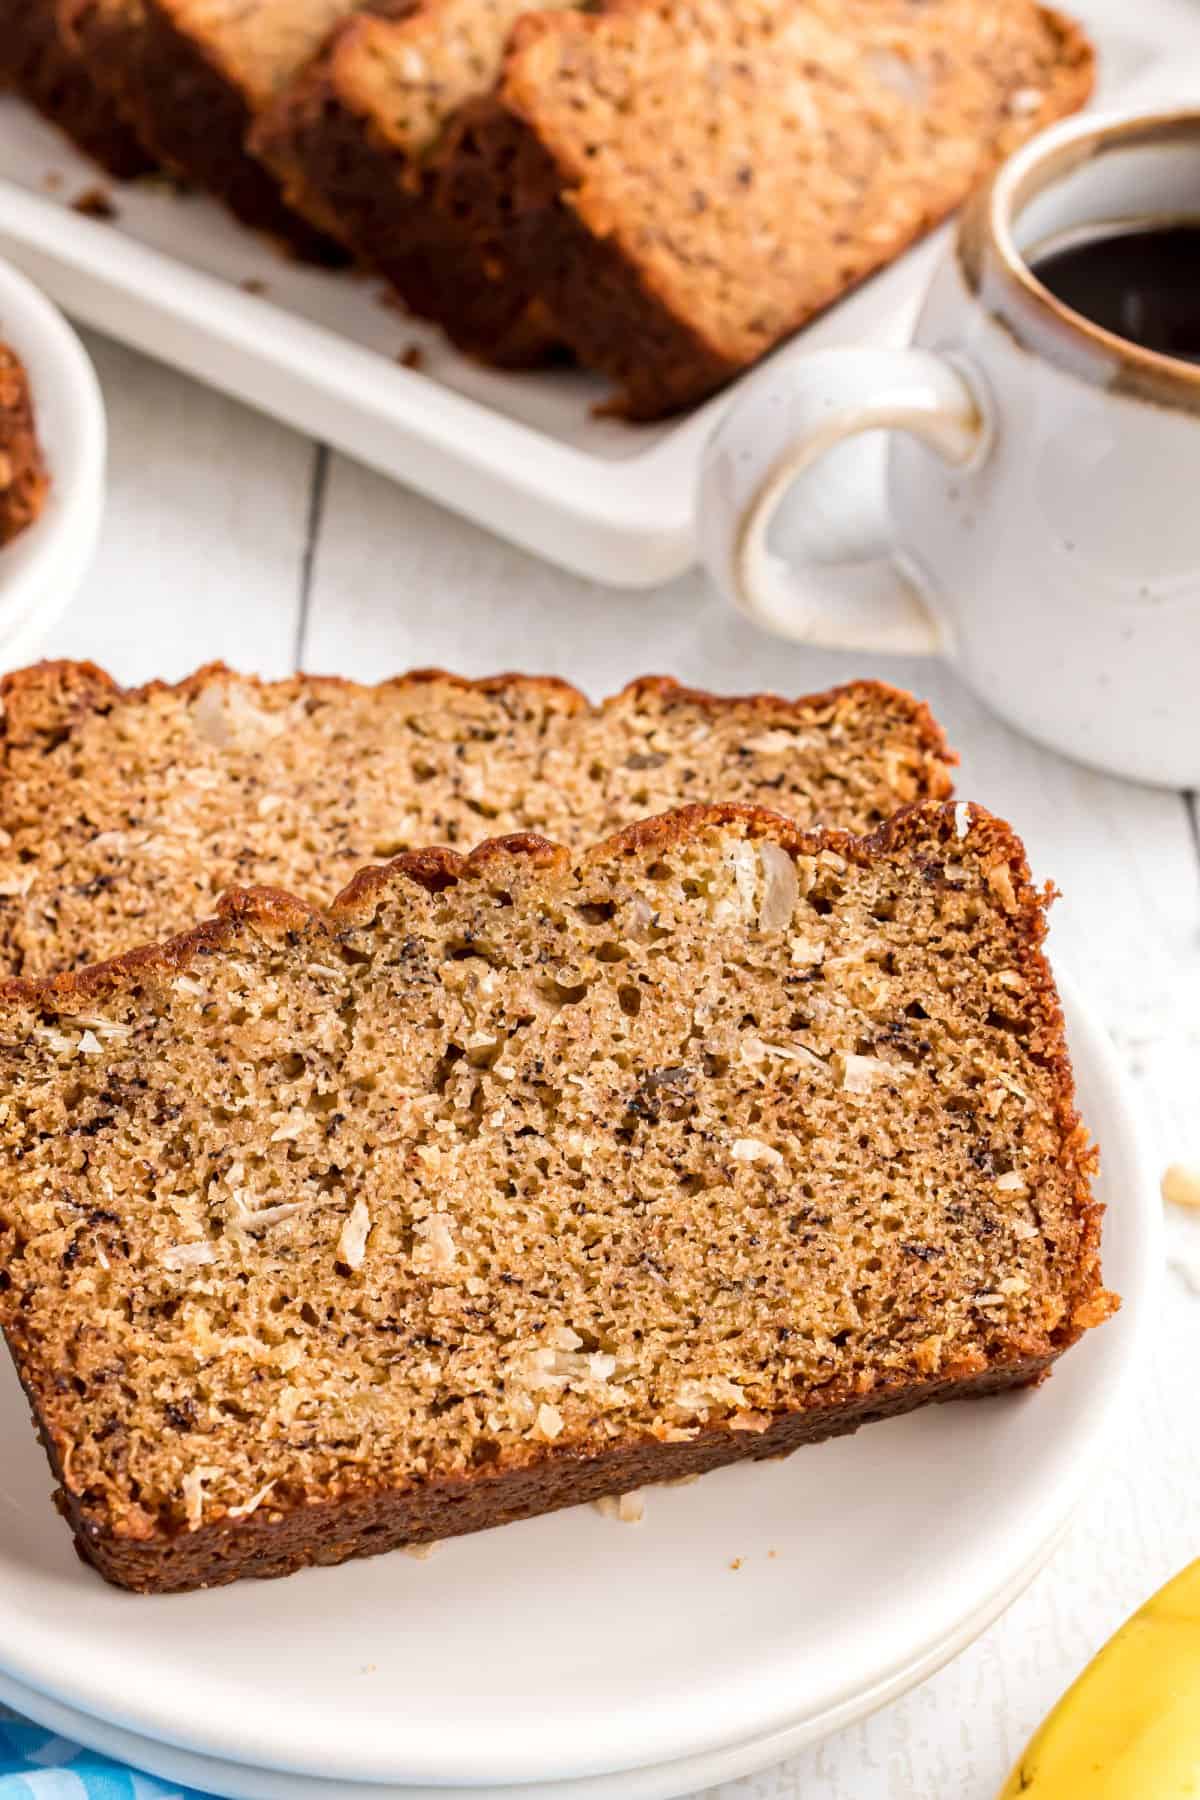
(1041, 525)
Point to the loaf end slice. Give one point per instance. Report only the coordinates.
(190, 75)
(674, 246)
(127, 813)
(517, 1179)
(56, 79)
(354, 141)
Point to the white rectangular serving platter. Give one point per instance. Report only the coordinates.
(525, 455)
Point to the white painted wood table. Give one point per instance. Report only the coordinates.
(230, 537)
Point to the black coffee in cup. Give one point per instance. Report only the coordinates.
(1139, 279)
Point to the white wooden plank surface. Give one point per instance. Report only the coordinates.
(203, 542)
(206, 553)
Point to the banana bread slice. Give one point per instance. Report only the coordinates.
(24, 482)
(189, 76)
(352, 140)
(45, 71)
(514, 1181)
(685, 182)
(123, 815)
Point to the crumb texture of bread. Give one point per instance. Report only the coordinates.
(353, 138)
(189, 76)
(674, 245)
(24, 482)
(126, 814)
(56, 79)
(515, 1178)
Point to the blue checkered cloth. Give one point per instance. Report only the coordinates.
(36, 1765)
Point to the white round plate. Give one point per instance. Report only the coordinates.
(771, 1599)
(40, 571)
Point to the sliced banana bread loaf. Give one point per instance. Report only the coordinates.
(24, 482)
(56, 79)
(511, 1182)
(189, 75)
(352, 140)
(123, 815)
(685, 182)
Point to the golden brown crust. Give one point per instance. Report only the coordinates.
(369, 1522)
(93, 688)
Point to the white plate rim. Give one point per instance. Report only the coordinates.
(767, 1703)
(660, 1781)
(41, 569)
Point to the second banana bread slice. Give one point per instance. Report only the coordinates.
(353, 140)
(125, 814)
(190, 75)
(685, 182)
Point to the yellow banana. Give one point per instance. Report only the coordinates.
(1129, 1729)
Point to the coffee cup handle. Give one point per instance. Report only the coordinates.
(785, 421)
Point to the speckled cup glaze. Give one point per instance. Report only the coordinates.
(1050, 545)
